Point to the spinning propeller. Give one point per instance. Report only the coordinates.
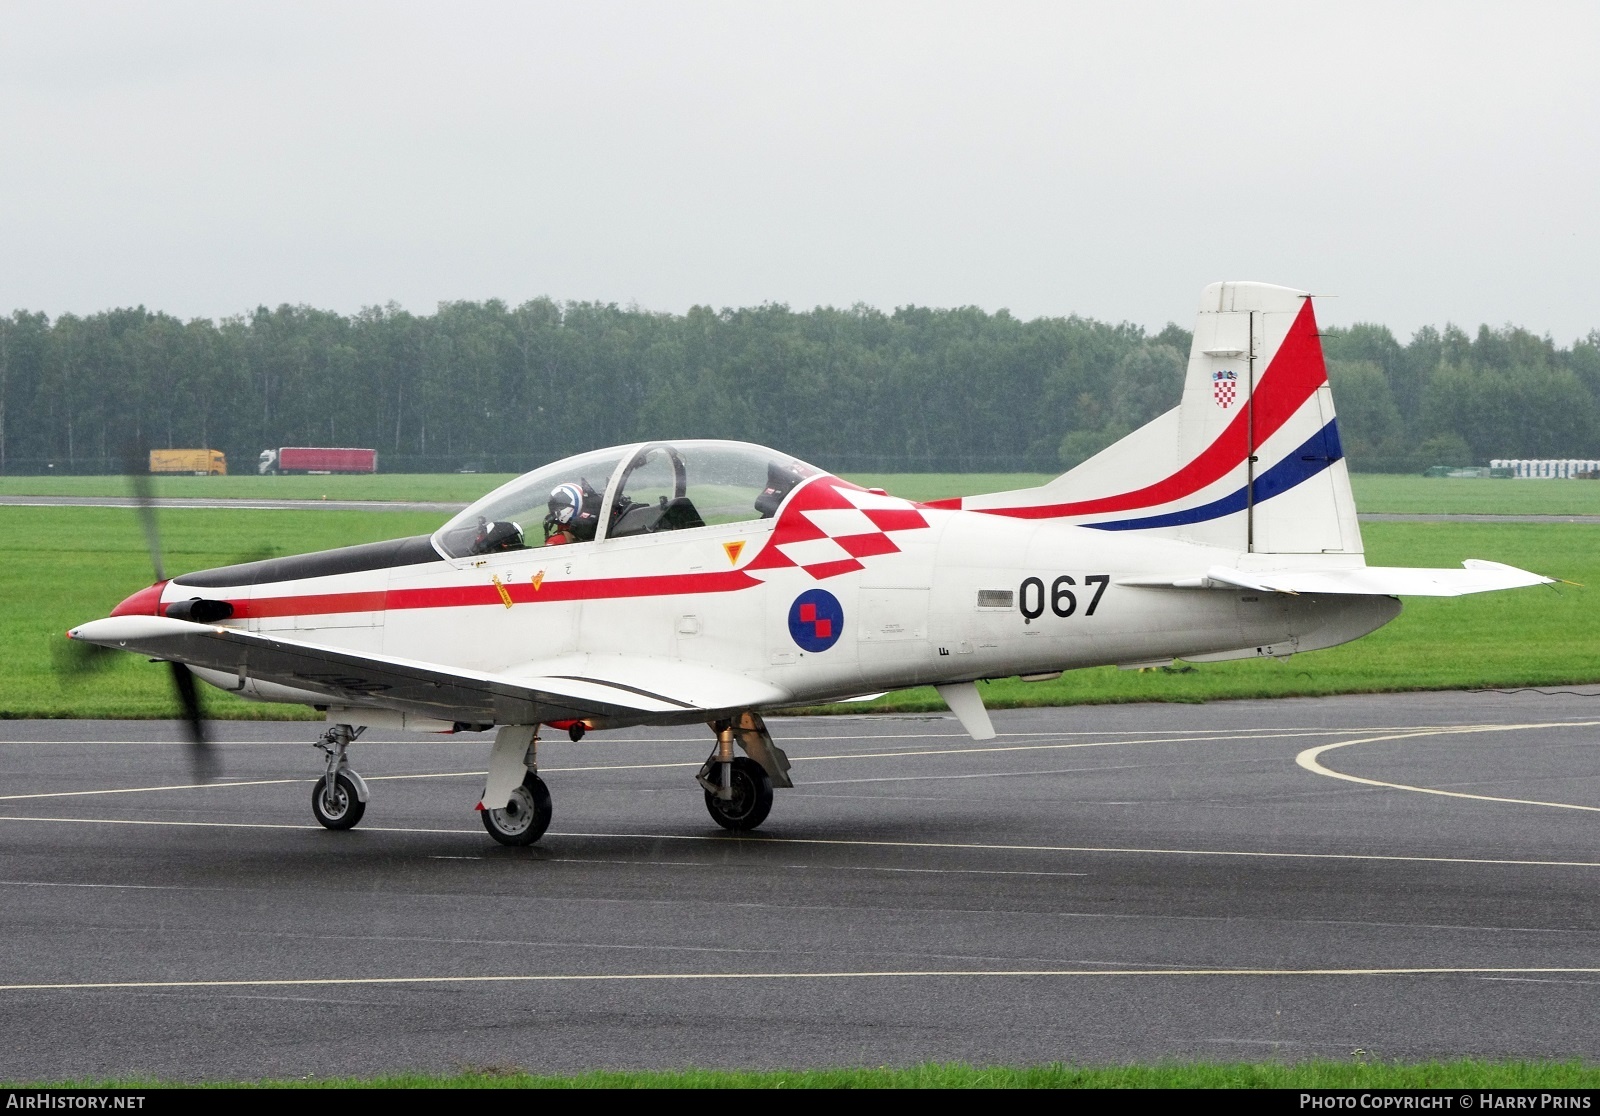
(202, 759)
(77, 659)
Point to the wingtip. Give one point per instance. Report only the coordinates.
(1486, 564)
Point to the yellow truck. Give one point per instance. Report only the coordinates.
(200, 462)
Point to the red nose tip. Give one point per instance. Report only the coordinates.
(146, 602)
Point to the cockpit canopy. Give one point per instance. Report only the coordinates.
(629, 490)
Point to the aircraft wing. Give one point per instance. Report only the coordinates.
(615, 689)
(1475, 576)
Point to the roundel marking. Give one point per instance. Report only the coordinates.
(816, 620)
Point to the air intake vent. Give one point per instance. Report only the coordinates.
(199, 611)
(994, 598)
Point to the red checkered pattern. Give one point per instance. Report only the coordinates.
(1225, 392)
(829, 525)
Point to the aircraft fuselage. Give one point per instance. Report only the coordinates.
(965, 596)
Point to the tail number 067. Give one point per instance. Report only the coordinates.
(1061, 597)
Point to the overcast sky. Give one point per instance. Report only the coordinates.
(1424, 162)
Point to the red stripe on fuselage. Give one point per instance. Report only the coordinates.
(819, 491)
(372, 601)
(1296, 371)
(458, 596)
(593, 589)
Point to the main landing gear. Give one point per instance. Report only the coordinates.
(520, 810)
(340, 796)
(526, 815)
(739, 788)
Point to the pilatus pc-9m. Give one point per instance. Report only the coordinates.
(709, 581)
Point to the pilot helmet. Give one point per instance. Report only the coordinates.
(566, 503)
(571, 510)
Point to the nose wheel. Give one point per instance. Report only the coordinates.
(335, 803)
(340, 796)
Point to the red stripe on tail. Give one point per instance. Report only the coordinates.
(1296, 371)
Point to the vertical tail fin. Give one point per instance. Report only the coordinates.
(1249, 460)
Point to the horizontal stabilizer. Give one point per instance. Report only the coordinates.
(615, 689)
(1476, 576)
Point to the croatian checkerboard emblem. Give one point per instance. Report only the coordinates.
(816, 620)
(1224, 387)
(831, 529)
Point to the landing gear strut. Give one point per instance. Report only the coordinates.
(739, 789)
(514, 781)
(340, 796)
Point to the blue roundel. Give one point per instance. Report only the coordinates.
(816, 620)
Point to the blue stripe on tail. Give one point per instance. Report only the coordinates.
(1315, 454)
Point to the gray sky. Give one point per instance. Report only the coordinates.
(1424, 162)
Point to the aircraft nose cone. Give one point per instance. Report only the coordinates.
(146, 602)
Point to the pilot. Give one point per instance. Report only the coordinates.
(574, 512)
(780, 480)
(491, 537)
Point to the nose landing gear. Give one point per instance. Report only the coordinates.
(340, 796)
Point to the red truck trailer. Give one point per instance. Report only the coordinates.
(318, 459)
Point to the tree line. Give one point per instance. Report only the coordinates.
(499, 388)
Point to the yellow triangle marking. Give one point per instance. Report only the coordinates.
(538, 580)
(733, 549)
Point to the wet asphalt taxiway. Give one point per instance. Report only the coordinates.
(1410, 876)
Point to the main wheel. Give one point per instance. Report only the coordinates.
(342, 808)
(525, 817)
(752, 796)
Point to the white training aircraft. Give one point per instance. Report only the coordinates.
(707, 581)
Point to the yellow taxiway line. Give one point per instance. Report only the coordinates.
(885, 974)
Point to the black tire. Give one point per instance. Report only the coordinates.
(346, 808)
(525, 817)
(752, 796)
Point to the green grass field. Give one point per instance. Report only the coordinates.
(939, 486)
(1378, 492)
(1374, 492)
(1458, 1074)
(455, 487)
(62, 566)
